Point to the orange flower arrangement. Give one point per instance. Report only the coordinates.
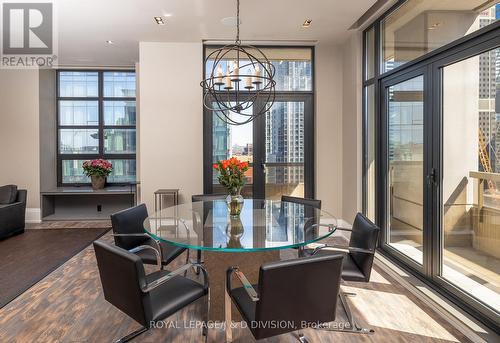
(232, 174)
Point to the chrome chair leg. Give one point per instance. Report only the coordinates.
(198, 260)
(353, 325)
(132, 335)
(187, 261)
(227, 315)
(205, 326)
(302, 338)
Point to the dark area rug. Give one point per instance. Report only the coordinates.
(29, 257)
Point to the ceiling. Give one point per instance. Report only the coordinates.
(84, 26)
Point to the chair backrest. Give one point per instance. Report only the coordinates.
(309, 202)
(203, 210)
(298, 290)
(130, 220)
(122, 275)
(364, 235)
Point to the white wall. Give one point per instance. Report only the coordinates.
(329, 90)
(19, 134)
(352, 127)
(171, 119)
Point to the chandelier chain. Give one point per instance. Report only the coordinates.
(238, 22)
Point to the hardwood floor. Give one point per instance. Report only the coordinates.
(68, 306)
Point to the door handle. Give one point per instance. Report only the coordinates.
(263, 165)
(432, 177)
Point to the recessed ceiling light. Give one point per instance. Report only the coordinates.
(166, 15)
(159, 20)
(434, 26)
(307, 23)
(110, 42)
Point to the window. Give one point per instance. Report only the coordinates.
(430, 128)
(279, 144)
(420, 26)
(96, 119)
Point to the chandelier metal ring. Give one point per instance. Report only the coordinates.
(229, 93)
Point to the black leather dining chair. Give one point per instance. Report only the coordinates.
(358, 261)
(201, 214)
(294, 291)
(304, 201)
(146, 298)
(310, 203)
(128, 233)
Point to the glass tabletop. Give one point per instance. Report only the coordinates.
(262, 225)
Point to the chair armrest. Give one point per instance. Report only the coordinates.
(12, 205)
(158, 246)
(145, 247)
(252, 293)
(339, 248)
(160, 281)
(331, 227)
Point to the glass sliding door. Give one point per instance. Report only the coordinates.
(470, 197)
(405, 167)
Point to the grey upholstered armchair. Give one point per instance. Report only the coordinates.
(12, 212)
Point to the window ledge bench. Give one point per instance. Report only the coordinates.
(84, 203)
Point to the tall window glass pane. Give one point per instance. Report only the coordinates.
(471, 176)
(285, 150)
(420, 26)
(232, 141)
(405, 167)
(78, 84)
(119, 85)
(76, 113)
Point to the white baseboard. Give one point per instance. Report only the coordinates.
(33, 215)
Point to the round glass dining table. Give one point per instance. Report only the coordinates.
(255, 237)
(262, 225)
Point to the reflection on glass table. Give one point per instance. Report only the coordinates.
(262, 225)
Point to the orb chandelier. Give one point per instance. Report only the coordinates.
(240, 74)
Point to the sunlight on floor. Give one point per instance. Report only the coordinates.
(379, 309)
(465, 282)
(375, 277)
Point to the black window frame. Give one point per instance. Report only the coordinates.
(308, 97)
(100, 127)
(479, 41)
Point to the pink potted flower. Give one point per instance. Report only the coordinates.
(97, 170)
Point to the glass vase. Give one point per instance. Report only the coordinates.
(234, 203)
